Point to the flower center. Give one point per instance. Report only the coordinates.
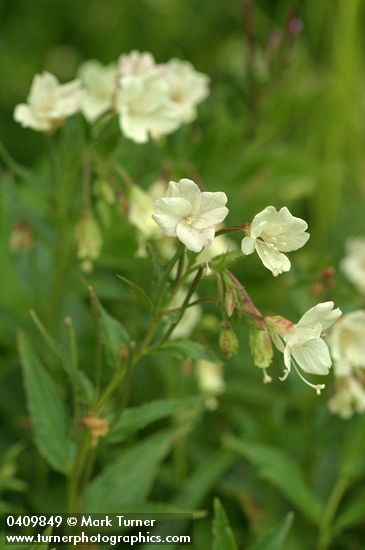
(190, 220)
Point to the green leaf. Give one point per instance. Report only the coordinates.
(54, 346)
(47, 412)
(186, 349)
(275, 538)
(278, 468)
(223, 538)
(353, 512)
(157, 267)
(129, 479)
(203, 479)
(150, 507)
(226, 261)
(137, 418)
(82, 384)
(78, 379)
(138, 291)
(113, 335)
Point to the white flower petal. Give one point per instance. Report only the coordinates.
(272, 259)
(322, 313)
(24, 115)
(248, 245)
(353, 264)
(313, 357)
(133, 127)
(100, 83)
(169, 212)
(144, 100)
(212, 209)
(188, 190)
(287, 357)
(49, 103)
(43, 89)
(194, 239)
(347, 341)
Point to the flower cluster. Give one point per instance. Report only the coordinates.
(192, 216)
(150, 99)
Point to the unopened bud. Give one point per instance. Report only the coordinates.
(88, 241)
(21, 237)
(228, 341)
(260, 347)
(278, 324)
(230, 301)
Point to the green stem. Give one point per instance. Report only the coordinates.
(144, 346)
(325, 534)
(98, 346)
(185, 304)
(177, 257)
(232, 229)
(74, 365)
(74, 484)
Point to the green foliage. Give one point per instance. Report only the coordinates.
(275, 538)
(49, 419)
(136, 418)
(114, 336)
(186, 349)
(138, 292)
(129, 479)
(277, 468)
(223, 538)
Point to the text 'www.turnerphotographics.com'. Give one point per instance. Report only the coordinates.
(88, 529)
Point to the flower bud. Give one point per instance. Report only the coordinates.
(228, 341)
(279, 324)
(230, 301)
(260, 347)
(88, 241)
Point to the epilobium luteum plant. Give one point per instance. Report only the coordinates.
(182, 228)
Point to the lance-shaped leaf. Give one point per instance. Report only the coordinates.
(47, 412)
(222, 533)
(136, 418)
(275, 538)
(278, 468)
(78, 379)
(139, 293)
(186, 349)
(113, 334)
(129, 479)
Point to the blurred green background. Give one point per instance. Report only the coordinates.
(284, 125)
